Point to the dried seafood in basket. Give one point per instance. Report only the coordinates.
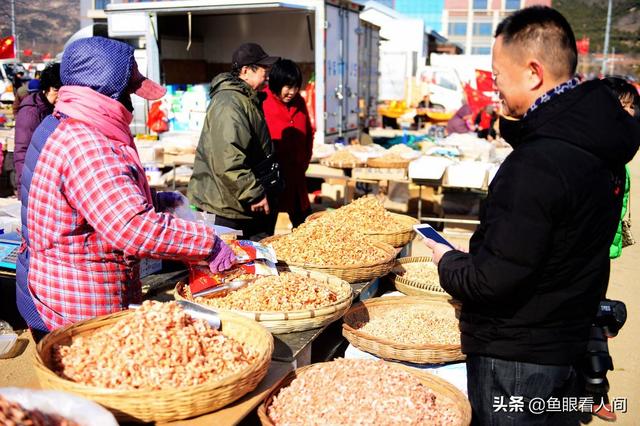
(345, 392)
(343, 158)
(285, 292)
(413, 325)
(366, 214)
(421, 272)
(158, 347)
(12, 413)
(321, 242)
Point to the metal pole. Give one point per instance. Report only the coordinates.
(613, 59)
(13, 28)
(606, 41)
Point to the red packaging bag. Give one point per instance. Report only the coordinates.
(201, 278)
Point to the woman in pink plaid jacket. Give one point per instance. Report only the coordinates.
(88, 214)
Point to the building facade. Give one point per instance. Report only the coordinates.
(429, 11)
(471, 23)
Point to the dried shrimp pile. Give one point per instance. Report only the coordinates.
(424, 272)
(13, 414)
(366, 214)
(414, 326)
(158, 347)
(401, 149)
(356, 392)
(281, 293)
(392, 157)
(343, 158)
(321, 242)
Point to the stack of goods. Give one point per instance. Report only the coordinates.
(418, 276)
(333, 248)
(159, 347)
(12, 413)
(414, 329)
(342, 159)
(364, 392)
(368, 216)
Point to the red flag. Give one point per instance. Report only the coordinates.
(46, 57)
(7, 48)
(583, 46)
(475, 99)
(27, 52)
(484, 81)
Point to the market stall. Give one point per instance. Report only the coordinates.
(343, 252)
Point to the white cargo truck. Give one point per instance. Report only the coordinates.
(190, 41)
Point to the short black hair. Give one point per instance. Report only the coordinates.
(284, 73)
(621, 88)
(545, 30)
(50, 77)
(235, 69)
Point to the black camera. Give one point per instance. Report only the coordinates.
(611, 316)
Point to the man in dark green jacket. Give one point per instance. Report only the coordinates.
(234, 146)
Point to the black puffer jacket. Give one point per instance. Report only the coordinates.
(539, 262)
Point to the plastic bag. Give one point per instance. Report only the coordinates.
(201, 278)
(247, 251)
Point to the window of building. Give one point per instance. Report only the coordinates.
(101, 4)
(511, 4)
(480, 4)
(482, 29)
(481, 50)
(458, 28)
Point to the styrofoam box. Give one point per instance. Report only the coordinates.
(467, 174)
(428, 167)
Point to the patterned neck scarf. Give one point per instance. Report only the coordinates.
(558, 90)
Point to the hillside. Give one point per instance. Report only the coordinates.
(588, 19)
(42, 25)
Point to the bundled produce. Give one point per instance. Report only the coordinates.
(159, 346)
(356, 392)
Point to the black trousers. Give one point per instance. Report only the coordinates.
(517, 393)
(255, 229)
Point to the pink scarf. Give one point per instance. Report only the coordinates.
(108, 116)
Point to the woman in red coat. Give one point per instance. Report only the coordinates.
(290, 128)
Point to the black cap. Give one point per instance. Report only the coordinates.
(252, 54)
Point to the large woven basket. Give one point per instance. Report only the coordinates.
(416, 288)
(394, 238)
(341, 164)
(440, 387)
(350, 273)
(419, 354)
(382, 164)
(291, 321)
(146, 405)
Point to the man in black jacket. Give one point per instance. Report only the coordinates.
(538, 264)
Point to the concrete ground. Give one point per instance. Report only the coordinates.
(624, 285)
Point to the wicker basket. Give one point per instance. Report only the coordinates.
(291, 321)
(350, 273)
(380, 163)
(394, 238)
(145, 405)
(416, 288)
(440, 387)
(341, 164)
(419, 354)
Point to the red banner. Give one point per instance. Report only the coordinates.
(27, 52)
(583, 46)
(7, 48)
(476, 99)
(484, 81)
